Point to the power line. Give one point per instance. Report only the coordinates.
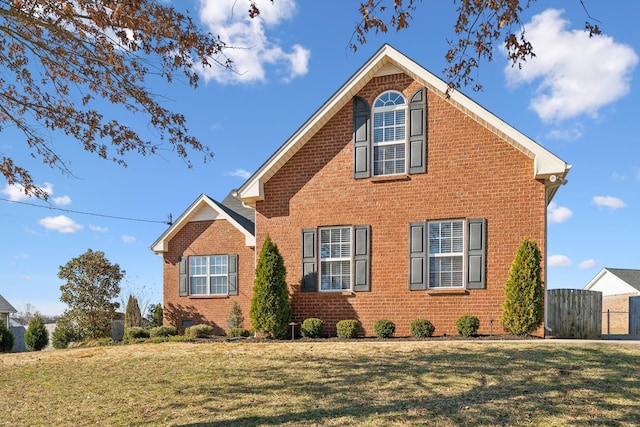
(88, 213)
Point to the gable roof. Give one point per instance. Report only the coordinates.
(386, 61)
(204, 208)
(630, 276)
(5, 307)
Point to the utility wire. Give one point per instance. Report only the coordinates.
(89, 213)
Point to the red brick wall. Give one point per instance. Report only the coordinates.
(207, 238)
(471, 173)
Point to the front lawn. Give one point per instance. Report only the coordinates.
(325, 383)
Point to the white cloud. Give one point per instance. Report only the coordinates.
(618, 176)
(128, 239)
(577, 74)
(16, 193)
(98, 229)
(62, 200)
(609, 202)
(559, 261)
(569, 134)
(61, 224)
(251, 50)
(587, 263)
(557, 214)
(240, 172)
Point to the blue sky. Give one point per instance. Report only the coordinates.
(579, 98)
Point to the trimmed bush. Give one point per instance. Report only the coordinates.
(6, 338)
(135, 332)
(384, 328)
(36, 337)
(349, 328)
(235, 318)
(523, 306)
(199, 331)
(311, 327)
(421, 328)
(238, 332)
(163, 331)
(270, 310)
(467, 325)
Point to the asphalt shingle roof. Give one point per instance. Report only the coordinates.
(630, 276)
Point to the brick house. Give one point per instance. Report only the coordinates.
(617, 286)
(393, 200)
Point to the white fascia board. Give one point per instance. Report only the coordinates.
(194, 212)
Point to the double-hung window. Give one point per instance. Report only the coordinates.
(335, 259)
(389, 134)
(208, 275)
(447, 254)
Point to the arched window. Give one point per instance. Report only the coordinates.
(389, 134)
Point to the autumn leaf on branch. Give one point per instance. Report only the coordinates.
(60, 60)
(480, 25)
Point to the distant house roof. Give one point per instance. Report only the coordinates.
(5, 307)
(386, 61)
(204, 208)
(630, 276)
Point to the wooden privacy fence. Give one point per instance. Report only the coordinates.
(574, 313)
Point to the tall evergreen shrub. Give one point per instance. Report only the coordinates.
(523, 307)
(36, 337)
(270, 306)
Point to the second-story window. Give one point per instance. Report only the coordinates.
(389, 134)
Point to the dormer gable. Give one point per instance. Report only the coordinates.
(205, 208)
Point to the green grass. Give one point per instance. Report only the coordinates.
(325, 383)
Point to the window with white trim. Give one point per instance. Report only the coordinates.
(446, 254)
(209, 275)
(389, 134)
(335, 258)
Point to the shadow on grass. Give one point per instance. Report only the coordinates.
(470, 385)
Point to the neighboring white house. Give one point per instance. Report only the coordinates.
(616, 285)
(5, 310)
(616, 281)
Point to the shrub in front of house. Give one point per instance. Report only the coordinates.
(349, 328)
(235, 318)
(523, 305)
(311, 327)
(467, 325)
(134, 333)
(199, 331)
(163, 331)
(421, 328)
(384, 328)
(238, 332)
(36, 336)
(6, 338)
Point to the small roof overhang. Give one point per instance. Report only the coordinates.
(203, 208)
